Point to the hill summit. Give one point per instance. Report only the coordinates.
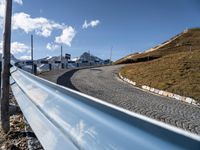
(188, 40)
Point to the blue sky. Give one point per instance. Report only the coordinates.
(97, 25)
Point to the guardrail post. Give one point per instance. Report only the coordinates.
(35, 69)
(50, 67)
(5, 117)
(62, 65)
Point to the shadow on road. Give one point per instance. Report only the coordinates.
(64, 79)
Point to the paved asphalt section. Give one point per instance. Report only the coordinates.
(103, 83)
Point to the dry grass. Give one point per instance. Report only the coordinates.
(178, 73)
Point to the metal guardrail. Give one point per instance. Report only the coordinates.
(65, 119)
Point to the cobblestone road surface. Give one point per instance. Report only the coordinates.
(103, 83)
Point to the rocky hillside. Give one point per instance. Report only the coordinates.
(88, 57)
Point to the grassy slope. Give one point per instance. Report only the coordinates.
(179, 73)
(177, 70)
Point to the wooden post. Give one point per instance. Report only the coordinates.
(5, 117)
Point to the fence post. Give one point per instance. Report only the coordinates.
(5, 117)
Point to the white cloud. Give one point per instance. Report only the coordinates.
(52, 46)
(66, 37)
(20, 2)
(25, 57)
(1, 46)
(42, 26)
(92, 24)
(16, 47)
(2, 8)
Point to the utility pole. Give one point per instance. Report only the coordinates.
(111, 54)
(32, 53)
(5, 117)
(61, 55)
(89, 57)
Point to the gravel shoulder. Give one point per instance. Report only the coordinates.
(104, 84)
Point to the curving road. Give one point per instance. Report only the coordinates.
(103, 83)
